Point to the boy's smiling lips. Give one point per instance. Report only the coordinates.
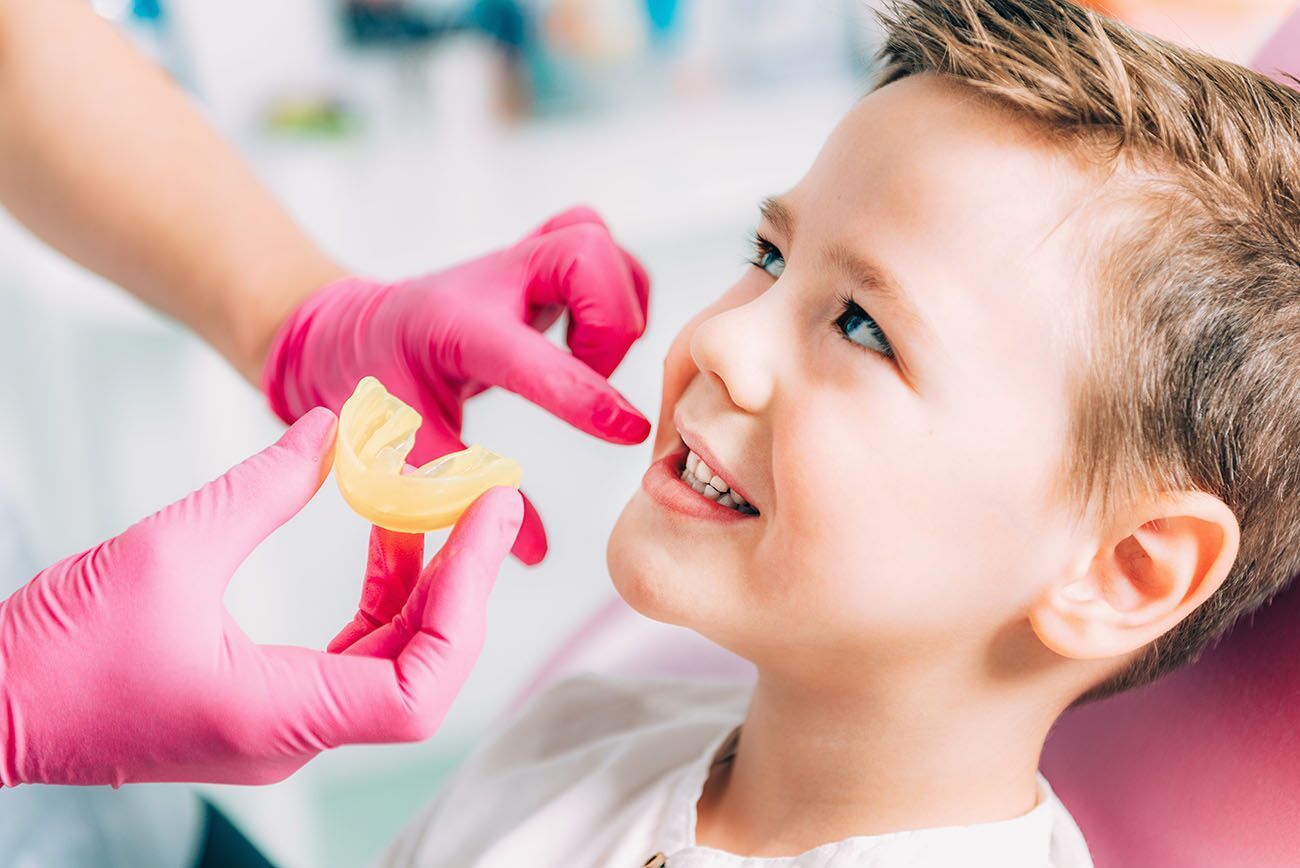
(697, 445)
(664, 485)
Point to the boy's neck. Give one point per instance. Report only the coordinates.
(815, 767)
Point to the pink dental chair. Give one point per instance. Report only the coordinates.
(1282, 53)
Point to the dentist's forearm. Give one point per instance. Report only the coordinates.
(103, 157)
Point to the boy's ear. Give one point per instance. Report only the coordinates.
(1150, 572)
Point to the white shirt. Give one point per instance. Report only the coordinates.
(599, 773)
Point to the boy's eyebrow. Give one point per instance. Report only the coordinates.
(871, 277)
(778, 214)
(875, 281)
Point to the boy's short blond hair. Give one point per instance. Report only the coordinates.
(1192, 373)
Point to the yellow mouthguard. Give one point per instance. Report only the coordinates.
(376, 433)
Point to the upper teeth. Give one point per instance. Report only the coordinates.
(699, 476)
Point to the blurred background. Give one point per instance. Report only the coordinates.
(407, 136)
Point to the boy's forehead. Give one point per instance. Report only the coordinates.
(977, 215)
(931, 155)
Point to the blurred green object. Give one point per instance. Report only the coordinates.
(360, 816)
(315, 117)
(224, 846)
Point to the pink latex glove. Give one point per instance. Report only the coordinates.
(436, 341)
(121, 663)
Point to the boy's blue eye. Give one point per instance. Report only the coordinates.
(767, 257)
(858, 327)
(855, 325)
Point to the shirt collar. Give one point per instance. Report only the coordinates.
(1021, 842)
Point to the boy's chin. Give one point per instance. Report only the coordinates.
(645, 573)
(636, 573)
(661, 588)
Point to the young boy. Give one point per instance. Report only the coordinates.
(1001, 419)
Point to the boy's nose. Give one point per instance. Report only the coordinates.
(741, 347)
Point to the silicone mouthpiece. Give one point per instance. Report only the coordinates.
(376, 433)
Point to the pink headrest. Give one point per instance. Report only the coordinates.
(1202, 769)
(1282, 53)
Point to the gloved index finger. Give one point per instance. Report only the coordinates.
(580, 214)
(523, 361)
(581, 267)
(570, 217)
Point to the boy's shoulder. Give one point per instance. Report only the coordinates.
(593, 713)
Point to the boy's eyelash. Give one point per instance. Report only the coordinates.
(761, 248)
(849, 306)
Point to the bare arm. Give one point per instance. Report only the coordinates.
(102, 156)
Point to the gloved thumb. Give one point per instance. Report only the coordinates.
(397, 683)
(229, 517)
(442, 651)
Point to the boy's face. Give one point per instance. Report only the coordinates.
(890, 391)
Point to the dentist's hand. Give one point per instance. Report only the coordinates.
(121, 663)
(437, 340)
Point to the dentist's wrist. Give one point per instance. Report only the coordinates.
(317, 355)
(268, 298)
